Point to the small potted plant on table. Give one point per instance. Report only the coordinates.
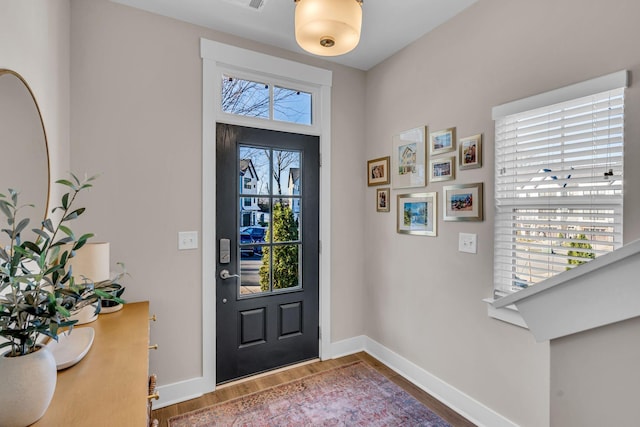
(37, 295)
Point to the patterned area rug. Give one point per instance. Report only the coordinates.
(352, 395)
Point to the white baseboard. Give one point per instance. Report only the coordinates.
(463, 404)
(348, 346)
(455, 399)
(182, 391)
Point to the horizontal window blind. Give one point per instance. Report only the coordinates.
(558, 188)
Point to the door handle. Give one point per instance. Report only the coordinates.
(224, 274)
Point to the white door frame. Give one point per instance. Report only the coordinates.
(217, 57)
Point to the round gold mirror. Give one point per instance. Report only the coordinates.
(23, 144)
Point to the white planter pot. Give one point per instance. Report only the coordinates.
(86, 314)
(27, 387)
(110, 309)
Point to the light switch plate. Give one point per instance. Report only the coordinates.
(187, 240)
(467, 242)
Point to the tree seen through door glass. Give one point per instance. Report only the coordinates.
(286, 172)
(254, 170)
(286, 219)
(270, 214)
(284, 272)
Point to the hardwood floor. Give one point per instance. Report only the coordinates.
(251, 385)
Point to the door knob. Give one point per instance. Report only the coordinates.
(224, 274)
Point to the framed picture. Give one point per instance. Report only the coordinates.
(417, 214)
(383, 200)
(409, 158)
(378, 171)
(471, 152)
(442, 169)
(442, 141)
(463, 202)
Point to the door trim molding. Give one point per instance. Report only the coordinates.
(215, 58)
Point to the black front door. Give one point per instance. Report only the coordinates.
(267, 215)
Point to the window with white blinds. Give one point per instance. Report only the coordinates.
(558, 187)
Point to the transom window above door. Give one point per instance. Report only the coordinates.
(265, 100)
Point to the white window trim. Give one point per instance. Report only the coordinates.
(219, 58)
(270, 123)
(578, 90)
(582, 298)
(503, 308)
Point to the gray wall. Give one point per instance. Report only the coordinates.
(34, 41)
(595, 377)
(136, 105)
(424, 295)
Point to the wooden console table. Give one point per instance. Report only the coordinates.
(109, 387)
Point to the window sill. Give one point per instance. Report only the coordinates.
(595, 294)
(508, 314)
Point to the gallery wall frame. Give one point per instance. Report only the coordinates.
(383, 199)
(417, 214)
(378, 171)
(470, 155)
(463, 202)
(442, 141)
(409, 158)
(442, 169)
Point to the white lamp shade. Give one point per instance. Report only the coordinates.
(92, 262)
(336, 21)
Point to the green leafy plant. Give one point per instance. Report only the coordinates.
(581, 243)
(285, 257)
(37, 290)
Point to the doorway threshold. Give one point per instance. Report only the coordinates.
(265, 373)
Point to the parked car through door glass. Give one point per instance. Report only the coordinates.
(245, 239)
(257, 234)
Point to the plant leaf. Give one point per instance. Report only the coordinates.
(32, 246)
(62, 241)
(4, 207)
(40, 233)
(66, 182)
(48, 225)
(21, 225)
(82, 240)
(63, 311)
(73, 215)
(67, 231)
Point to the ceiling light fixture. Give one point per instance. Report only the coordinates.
(328, 27)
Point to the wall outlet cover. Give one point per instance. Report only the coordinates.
(187, 240)
(467, 242)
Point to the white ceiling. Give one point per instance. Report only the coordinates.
(387, 27)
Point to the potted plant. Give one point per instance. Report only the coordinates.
(37, 295)
(116, 290)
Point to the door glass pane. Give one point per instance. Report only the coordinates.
(286, 270)
(286, 222)
(290, 105)
(249, 212)
(250, 274)
(245, 97)
(286, 172)
(254, 170)
(270, 215)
